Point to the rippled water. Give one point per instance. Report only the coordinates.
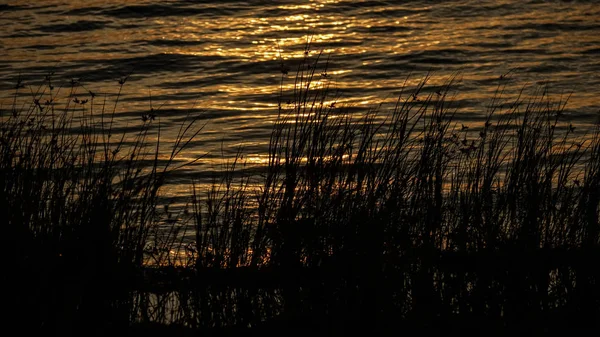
(222, 59)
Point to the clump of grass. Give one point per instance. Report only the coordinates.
(78, 201)
(409, 213)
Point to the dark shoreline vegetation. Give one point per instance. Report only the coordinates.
(380, 221)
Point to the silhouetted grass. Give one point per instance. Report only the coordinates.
(408, 214)
(386, 219)
(78, 203)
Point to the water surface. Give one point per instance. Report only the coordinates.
(222, 60)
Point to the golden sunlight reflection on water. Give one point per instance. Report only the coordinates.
(226, 61)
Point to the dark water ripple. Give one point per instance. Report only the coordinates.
(79, 26)
(148, 11)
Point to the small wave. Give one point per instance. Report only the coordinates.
(384, 29)
(25, 34)
(83, 11)
(436, 56)
(196, 82)
(535, 51)
(40, 47)
(141, 11)
(546, 68)
(483, 44)
(553, 27)
(174, 43)
(79, 26)
(592, 51)
(7, 8)
(154, 63)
